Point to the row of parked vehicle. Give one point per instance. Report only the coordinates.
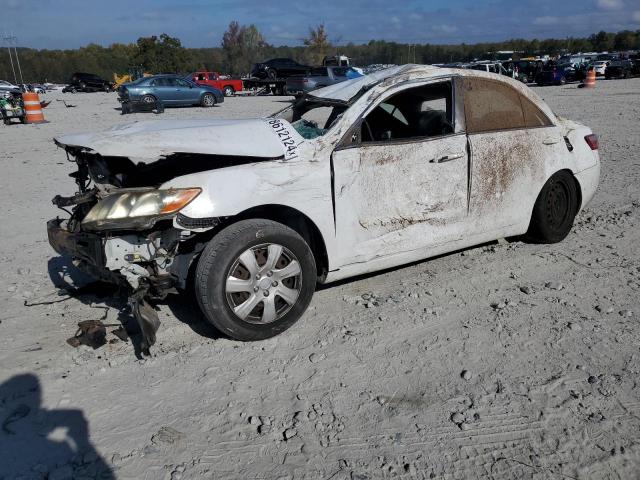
(564, 70)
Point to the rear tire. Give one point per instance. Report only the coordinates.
(272, 74)
(224, 282)
(228, 91)
(554, 210)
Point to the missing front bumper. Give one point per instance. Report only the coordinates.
(89, 249)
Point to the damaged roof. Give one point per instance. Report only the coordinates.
(345, 91)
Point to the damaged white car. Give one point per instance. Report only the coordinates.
(397, 166)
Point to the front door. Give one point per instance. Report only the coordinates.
(401, 185)
(185, 92)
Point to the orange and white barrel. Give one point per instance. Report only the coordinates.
(32, 107)
(590, 80)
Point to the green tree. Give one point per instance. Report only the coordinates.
(241, 45)
(162, 54)
(317, 43)
(602, 41)
(625, 40)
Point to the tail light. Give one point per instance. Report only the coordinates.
(592, 141)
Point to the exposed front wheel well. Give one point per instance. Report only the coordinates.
(297, 221)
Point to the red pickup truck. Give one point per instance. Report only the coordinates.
(228, 86)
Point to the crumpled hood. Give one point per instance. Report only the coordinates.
(157, 138)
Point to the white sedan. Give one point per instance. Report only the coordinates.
(379, 171)
(600, 66)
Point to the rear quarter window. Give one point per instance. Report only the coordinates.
(533, 116)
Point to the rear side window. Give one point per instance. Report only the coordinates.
(491, 105)
(319, 71)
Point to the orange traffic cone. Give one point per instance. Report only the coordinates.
(590, 80)
(32, 107)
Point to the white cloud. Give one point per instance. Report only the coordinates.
(610, 4)
(636, 16)
(546, 20)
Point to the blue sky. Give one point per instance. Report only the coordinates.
(200, 23)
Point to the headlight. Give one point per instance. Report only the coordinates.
(137, 209)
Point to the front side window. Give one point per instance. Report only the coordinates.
(419, 112)
(181, 83)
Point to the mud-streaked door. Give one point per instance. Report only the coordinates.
(513, 145)
(399, 197)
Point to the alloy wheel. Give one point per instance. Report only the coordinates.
(208, 100)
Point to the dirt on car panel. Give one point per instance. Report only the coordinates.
(499, 161)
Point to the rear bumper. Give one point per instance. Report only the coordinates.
(588, 180)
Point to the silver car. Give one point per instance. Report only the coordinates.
(319, 77)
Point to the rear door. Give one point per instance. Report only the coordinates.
(514, 148)
(165, 90)
(400, 178)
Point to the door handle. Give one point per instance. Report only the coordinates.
(447, 158)
(550, 141)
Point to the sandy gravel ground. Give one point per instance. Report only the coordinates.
(504, 361)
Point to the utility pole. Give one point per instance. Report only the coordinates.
(13, 40)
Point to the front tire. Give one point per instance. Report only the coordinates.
(207, 100)
(255, 279)
(554, 210)
(148, 99)
(228, 91)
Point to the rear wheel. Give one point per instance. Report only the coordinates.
(208, 100)
(255, 279)
(272, 74)
(563, 81)
(228, 91)
(554, 210)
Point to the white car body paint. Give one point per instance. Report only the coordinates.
(392, 206)
(150, 140)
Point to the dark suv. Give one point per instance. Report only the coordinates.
(620, 69)
(278, 68)
(88, 82)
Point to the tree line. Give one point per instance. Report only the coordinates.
(243, 45)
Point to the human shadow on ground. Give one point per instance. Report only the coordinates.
(40, 443)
